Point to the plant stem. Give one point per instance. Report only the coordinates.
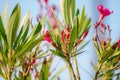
(72, 71)
(69, 73)
(98, 71)
(76, 65)
(9, 74)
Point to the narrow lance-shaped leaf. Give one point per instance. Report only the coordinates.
(16, 22)
(66, 12)
(77, 53)
(58, 53)
(86, 26)
(3, 36)
(35, 30)
(73, 37)
(72, 8)
(5, 14)
(72, 11)
(25, 20)
(18, 38)
(43, 75)
(81, 19)
(13, 26)
(97, 49)
(22, 36)
(2, 30)
(29, 45)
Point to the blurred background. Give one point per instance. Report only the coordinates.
(84, 60)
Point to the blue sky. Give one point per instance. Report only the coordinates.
(91, 8)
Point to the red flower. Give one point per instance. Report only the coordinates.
(103, 12)
(84, 35)
(47, 37)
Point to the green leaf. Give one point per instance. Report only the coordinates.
(82, 18)
(58, 53)
(29, 77)
(72, 11)
(73, 37)
(36, 30)
(109, 71)
(25, 20)
(28, 46)
(43, 75)
(3, 36)
(25, 31)
(13, 25)
(84, 23)
(2, 31)
(22, 36)
(55, 36)
(24, 28)
(117, 54)
(97, 49)
(1, 47)
(42, 20)
(85, 26)
(5, 14)
(72, 8)
(77, 12)
(65, 8)
(16, 43)
(77, 53)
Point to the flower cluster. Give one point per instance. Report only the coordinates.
(66, 36)
(48, 10)
(107, 52)
(47, 37)
(103, 12)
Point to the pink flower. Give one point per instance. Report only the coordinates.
(33, 61)
(46, 2)
(47, 37)
(103, 26)
(118, 42)
(68, 29)
(103, 12)
(66, 35)
(84, 35)
(54, 22)
(63, 35)
(53, 7)
(39, 1)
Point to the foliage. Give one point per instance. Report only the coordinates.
(21, 55)
(16, 40)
